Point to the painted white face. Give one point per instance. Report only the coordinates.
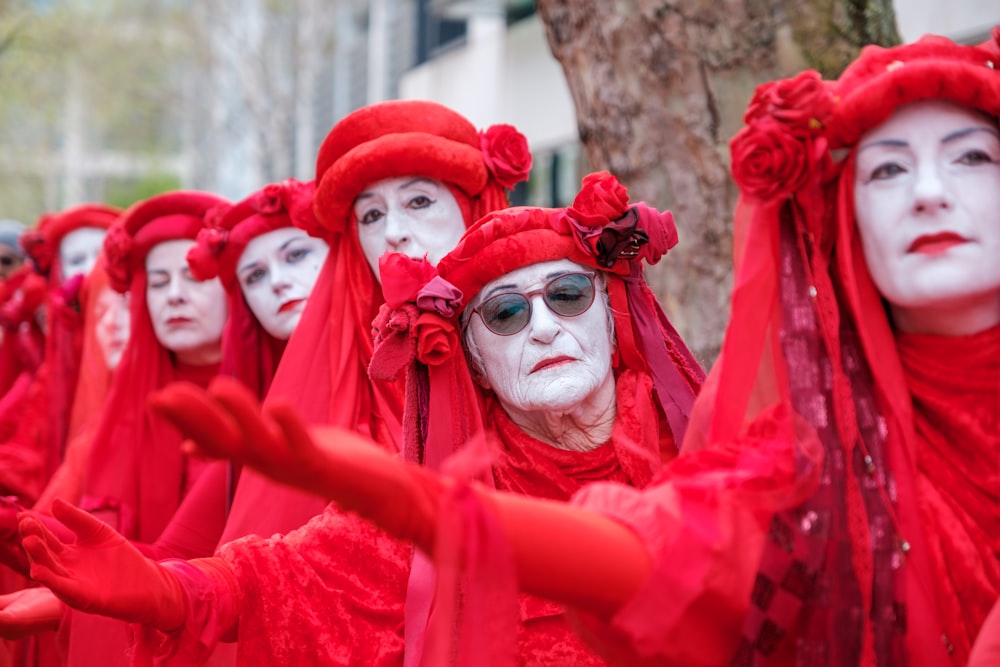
(79, 249)
(555, 363)
(112, 326)
(410, 215)
(187, 315)
(927, 202)
(277, 272)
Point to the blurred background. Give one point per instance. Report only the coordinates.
(115, 100)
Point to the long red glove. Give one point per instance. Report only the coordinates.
(102, 573)
(227, 421)
(11, 553)
(29, 612)
(561, 552)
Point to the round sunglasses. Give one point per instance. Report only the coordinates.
(508, 313)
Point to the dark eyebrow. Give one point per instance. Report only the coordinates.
(892, 143)
(959, 134)
(419, 179)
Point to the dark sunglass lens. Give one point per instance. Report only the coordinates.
(570, 295)
(505, 314)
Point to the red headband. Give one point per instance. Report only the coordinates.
(230, 228)
(42, 243)
(164, 217)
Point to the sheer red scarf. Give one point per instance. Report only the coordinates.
(136, 475)
(955, 385)
(324, 372)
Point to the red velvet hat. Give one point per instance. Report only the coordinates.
(42, 243)
(230, 228)
(881, 80)
(163, 217)
(408, 137)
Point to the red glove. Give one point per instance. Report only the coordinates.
(102, 573)
(227, 421)
(28, 612)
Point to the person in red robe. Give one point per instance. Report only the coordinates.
(836, 499)
(373, 154)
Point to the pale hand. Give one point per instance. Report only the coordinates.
(227, 421)
(101, 573)
(28, 612)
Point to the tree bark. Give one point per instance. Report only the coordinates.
(660, 86)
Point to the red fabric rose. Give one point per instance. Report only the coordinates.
(437, 339)
(41, 252)
(506, 154)
(771, 160)
(117, 256)
(403, 277)
(439, 296)
(601, 198)
(395, 341)
(203, 257)
(270, 200)
(802, 102)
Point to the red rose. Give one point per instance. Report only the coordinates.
(802, 102)
(117, 258)
(506, 154)
(403, 277)
(37, 247)
(203, 257)
(770, 160)
(270, 200)
(602, 198)
(437, 339)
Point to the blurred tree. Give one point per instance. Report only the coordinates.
(660, 86)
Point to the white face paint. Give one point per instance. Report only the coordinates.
(277, 272)
(555, 363)
(79, 249)
(112, 325)
(187, 315)
(927, 202)
(410, 215)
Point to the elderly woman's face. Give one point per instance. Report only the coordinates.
(927, 202)
(555, 362)
(277, 271)
(79, 249)
(188, 315)
(410, 215)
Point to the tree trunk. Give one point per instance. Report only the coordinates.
(660, 86)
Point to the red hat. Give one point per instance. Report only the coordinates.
(230, 228)
(42, 243)
(163, 217)
(883, 79)
(408, 137)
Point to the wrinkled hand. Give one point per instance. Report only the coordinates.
(101, 573)
(28, 612)
(227, 421)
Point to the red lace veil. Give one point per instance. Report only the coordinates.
(809, 331)
(324, 369)
(136, 473)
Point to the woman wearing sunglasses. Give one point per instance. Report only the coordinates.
(569, 368)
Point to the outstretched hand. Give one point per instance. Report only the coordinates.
(101, 573)
(28, 612)
(227, 421)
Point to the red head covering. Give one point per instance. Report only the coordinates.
(136, 470)
(809, 330)
(324, 370)
(420, 322)
(249, 353)
(63, 318)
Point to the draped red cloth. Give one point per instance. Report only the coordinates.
(350, 579)
(955, 386)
